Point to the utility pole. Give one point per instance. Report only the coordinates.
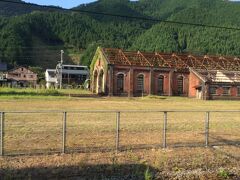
(62, 52)
(61, 63)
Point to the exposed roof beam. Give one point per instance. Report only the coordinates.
(125, 57)
(144, 58)
(161, 57)
(199, 63)
(171, 60)
(185, 65)
(213, 62)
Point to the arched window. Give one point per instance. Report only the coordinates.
(160, 85)
(180, 85)
(140, 83)
(120, 83)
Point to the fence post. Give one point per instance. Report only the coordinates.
(64, 132)
(165, 130)
(2, 134)
(207, 129)
(117, 130)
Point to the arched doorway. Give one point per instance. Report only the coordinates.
(140, 83)
(94, 85)
(100, 82)
(160, 85)
(180, 85)
(120, 83)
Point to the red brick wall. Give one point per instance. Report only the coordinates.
(233, 91)
(193, 81)
(219, 93)
(185, 83)
(126, 79)
(146, 74)
(165, 85)
(137, 71)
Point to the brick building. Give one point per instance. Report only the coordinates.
(21, 76)
(125, 73)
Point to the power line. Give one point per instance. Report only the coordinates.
(124, 16)
(52, 47)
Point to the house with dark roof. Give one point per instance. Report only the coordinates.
(134, 73)
(3, 69)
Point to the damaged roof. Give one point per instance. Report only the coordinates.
(172, 60)
(218, 76)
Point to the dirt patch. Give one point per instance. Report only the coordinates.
(176, 163)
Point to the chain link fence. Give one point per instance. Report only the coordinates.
(46, 132)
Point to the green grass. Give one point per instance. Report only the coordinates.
(22, 93)
(29, 91)
(74, 91)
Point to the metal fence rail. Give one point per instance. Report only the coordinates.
(34, 132)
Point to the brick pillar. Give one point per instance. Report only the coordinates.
(110, 79)
(170, 83)
(130, 90)
(151, 82)
(206, 93)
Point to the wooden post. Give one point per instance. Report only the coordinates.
(64, 132)
(165, 130)
(2, 114)
(207, 129)
(117, 131)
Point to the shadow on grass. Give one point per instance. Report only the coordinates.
(218, 140)
(122, 148)
(102, 171)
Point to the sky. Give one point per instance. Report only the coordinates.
(64, 3)
(61, 3)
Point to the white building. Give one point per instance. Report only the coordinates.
(66, 75)
(50, 77)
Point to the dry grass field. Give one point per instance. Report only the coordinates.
(141, 134)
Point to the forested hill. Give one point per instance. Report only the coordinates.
(198, 40)
(34, 36)
(14, 9)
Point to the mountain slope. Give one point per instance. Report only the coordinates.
(173, 37)
(58, 29)
(35, 37)
(12, 9)
(121, 7)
